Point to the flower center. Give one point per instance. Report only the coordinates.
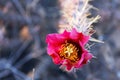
(69, 51)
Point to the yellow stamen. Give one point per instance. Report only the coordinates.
(69, 51)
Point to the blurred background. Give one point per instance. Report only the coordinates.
(24, 25)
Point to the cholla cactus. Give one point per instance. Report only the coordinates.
(75, 15)
(68, 48)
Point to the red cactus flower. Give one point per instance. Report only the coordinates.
(68, 49)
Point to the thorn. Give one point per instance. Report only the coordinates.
(94, 57)
(88, 61)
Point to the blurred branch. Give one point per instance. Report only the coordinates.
(4, 73)
(15, 71)
(15, 56)
(21, 10)
(36, 54)
(16, 18)
(41, 68)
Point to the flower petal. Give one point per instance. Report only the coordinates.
(57, 39)
(84, 39)
(52, 49)
(55, 57)
(79, 63)
(67, 64)
(79, 36)
(84, 57)
(74, 34)
(87, 57)
(65, 34)
(53, 39)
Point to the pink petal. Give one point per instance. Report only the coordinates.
(82, 46)
(57, 39)
(84, 39)
(74, 34)
(67, 64)
(87, 57)
(83, 60)
(79, 63)
(50, 50)
(53, 49)
(84, 57)
(54, 39)
(66, 34)
(55, 57)
(53, 53)
(69, 67)
(79, 36)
